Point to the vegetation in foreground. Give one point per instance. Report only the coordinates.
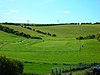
(10, 67)
(15, 67)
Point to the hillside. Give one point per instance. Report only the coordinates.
(70, 31)
(62, 49)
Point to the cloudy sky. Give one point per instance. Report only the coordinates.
(49, 11)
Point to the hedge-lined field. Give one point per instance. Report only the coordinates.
(20, 29)
(51, 50)
(70, 31)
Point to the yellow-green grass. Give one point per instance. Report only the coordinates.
(62, 31)
(72, 55)
(70, 31)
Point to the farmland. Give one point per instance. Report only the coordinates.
(43, 54)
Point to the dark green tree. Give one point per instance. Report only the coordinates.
(10, 67)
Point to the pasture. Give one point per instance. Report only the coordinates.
(43, 54)
(70, 31)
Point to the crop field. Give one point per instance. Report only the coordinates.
(42, 55)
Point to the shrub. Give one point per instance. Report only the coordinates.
(10, 67)
(88, 72)
(30, 74)
(29, 28)
(89, 37)
(49, 34)
(80, 38)
(54, 35)
(28, 62)
(33, 29)
(97, 36)
(99, 39)
(37, 38)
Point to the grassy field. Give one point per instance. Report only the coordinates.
(63, 49)
(70, 31)
(20, 29)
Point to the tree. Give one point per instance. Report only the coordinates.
(10, 67)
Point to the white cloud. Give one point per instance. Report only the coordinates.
(14, 11)
(66, 12)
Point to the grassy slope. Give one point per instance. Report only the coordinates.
(50, 51)
(70, 31)
(27, 31)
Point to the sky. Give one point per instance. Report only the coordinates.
(49, 11)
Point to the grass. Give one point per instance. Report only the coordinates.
(63, 49)
(20, 29)
(70, 31)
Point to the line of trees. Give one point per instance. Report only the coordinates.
(49, 34)
(17, 24)
(97, 23)
(41, 32)
(49, 24)
(97, 36)
(9, 30)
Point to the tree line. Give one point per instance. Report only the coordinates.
(12, 23)
(39, 31)
(27, 24)
(97, 36)
(12, 31)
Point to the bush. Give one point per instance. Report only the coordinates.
(80, 38)
(54, 35)
(88, 72)
(88, 37)
(98, 36)
(10, 67)
(99, 39)
(30, 74)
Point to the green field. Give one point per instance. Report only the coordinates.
(70, 31)
(62, 49)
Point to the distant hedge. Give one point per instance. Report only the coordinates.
(10, 67)
(97, 36)
(39, 31)
(27, 24)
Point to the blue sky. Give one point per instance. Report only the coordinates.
(49, 11)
